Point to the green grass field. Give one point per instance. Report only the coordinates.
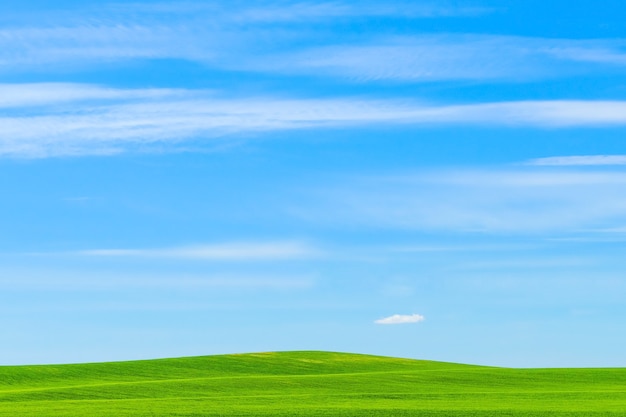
(307, 384)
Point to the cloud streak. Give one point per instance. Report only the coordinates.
(20, 96)
(50, 279)
(419, 59)
(214, 34)
(525, 201)
(422, 58)
(46, 120)
(219, 252)
(286, 40)
(401, 319)
(579, 160)
(307, 11)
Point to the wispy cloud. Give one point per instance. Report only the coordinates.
(16, 96)
(440, 57)
(401, 319)
(547, 113)
(524, 201)
(285, 11)
(294, 38)
(419, 58)
(589, 51)
(89, 45)
(43, 120)
(579, 160)
(216, 34)
(51, 279)
(219, 252)
(276, 11)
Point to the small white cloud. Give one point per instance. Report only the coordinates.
(401, 319)
(579, 160)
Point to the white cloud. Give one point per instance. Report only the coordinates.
(528, 201)
(546, 113)
(219, 36)
(280, 11)
(522, 179)
(15, 96)
(579, 160)
(328, 10)
(92, 44)
(423, 58)
(219, 252)
(589, 51)
(214, 34)
(401, 319)
(50, 278)
(44, 120)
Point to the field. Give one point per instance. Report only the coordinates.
(307, 384)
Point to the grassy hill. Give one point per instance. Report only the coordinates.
(307, 384)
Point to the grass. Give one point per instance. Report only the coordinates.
(307, 384)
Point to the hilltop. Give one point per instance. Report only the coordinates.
(306, 383)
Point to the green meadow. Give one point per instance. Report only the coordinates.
(307, 384)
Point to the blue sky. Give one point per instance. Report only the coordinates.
(439, 180)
